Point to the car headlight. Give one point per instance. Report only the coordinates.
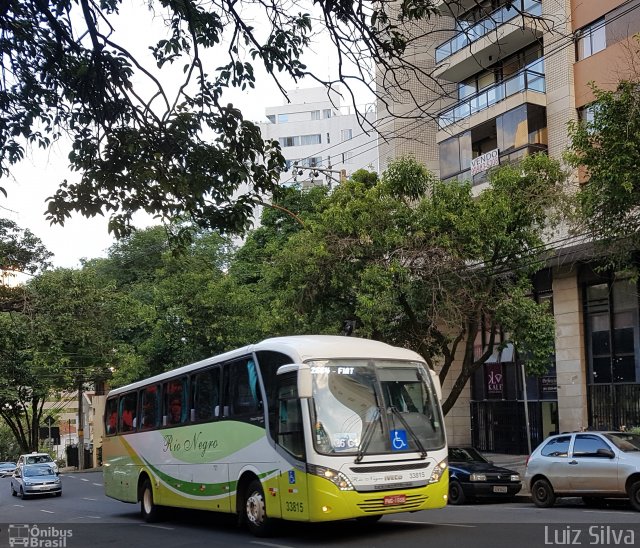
(337, 478)
(478, 477)
(438, 471)
(515, 477)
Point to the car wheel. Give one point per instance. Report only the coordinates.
(13, 491)
(634, 495)
(59, 494)
(542, 494)
(255, 510)
(22, 495)
(149, 511)
(456, 494)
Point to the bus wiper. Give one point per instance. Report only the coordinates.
(416, 440)
(367, 435)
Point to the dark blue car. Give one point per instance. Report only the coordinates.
(472, 476)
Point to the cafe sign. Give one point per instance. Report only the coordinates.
(485, 161)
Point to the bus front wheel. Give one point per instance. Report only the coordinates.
(148, 509)
(255, 512)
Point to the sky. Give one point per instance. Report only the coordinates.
(36, 178)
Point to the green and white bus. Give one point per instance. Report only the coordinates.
(304, 428)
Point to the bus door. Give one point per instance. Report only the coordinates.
(293, 483)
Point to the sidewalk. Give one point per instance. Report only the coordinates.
(513, 462)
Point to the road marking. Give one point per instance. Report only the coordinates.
(609, 512)
(87, 498)
(269, 544)
(84, 479)
(157, 527)
(98, 484)
(19, 505)
(47, 511)
(90, 517)
(431, 523)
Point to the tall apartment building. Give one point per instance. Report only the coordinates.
(316, 131)
(509, 76)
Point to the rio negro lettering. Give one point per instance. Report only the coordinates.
(195, 444)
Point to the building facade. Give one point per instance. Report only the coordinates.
(322, 138)
(510, 75)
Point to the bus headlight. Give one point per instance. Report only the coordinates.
(478, 477)
(438, 471)
(337, 478)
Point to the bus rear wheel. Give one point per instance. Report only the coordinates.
(255, 510)
(149, 511)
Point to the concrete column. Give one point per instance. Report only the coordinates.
(570, 352)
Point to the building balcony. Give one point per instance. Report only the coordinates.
(503, 32)
(523, 81)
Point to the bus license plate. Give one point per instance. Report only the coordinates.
(395, 500)
(499, 489)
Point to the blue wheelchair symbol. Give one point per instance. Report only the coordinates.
(399, 440)
(292, 476)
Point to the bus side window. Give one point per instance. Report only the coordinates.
(111, 417)
(290, 431)
(150, 407)
(175, 402)
(245, 397)
(128, 408)
(205, 396)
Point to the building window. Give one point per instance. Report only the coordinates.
(346, 157)
(586, 114)
(328, 137)
(346, 134)
(290, 141)
(612, 331)
(591, 39)
(315, 115)
(271, 118)
(311, 139)
(326, 113)
(455, 155)
(282, 118)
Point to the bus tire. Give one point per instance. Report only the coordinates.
(255, 510)
(149, 510)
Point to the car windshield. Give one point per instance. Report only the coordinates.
(374, 406)
(33, 471)
(465, 454)
(36, 459)
(625, 442)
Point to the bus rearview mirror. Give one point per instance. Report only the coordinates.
(305, 388)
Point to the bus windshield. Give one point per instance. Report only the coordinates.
(365, 407)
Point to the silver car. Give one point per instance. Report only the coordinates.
(591, 465)
(35, 479)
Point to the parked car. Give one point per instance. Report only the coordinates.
(35, 479)
(472, 476)
(7, 469)
(591, 465)
(37, 458)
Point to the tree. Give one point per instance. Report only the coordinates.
(178, 151)
(20, 252)
(424, 264)
(607, 149)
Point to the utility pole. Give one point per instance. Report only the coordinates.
(80, 427)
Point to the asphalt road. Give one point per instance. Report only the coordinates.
(84, 518)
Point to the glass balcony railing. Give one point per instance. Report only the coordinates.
(527, 79)
(482, 28)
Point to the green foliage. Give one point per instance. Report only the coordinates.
(176, 151)
(608, 149)
(422, 264)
